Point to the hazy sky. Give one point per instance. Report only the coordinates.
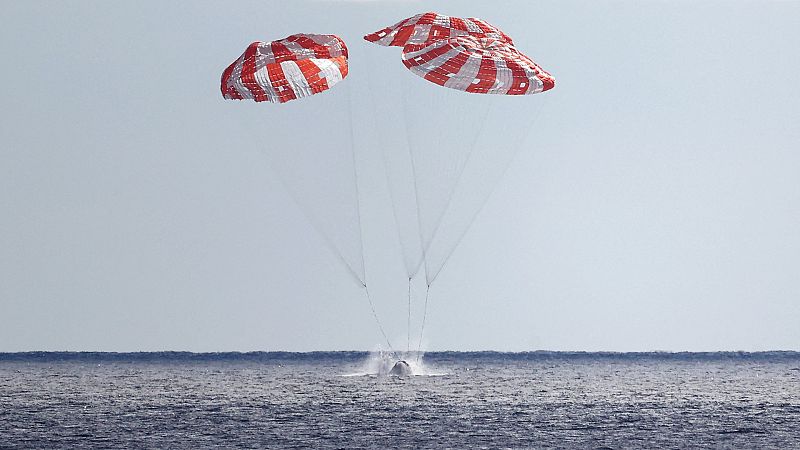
(657, 206)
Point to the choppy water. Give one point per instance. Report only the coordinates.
(337, 400)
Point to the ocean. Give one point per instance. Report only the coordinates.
(343, 400)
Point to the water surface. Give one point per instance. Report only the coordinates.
(460, 400)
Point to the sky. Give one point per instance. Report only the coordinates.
(655, 204)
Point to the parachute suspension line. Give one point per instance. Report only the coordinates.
(377, 320)
(451, 194)
(425, 246)
(422, 329)
(355, 178)
(374, 110)
(394, 212)
(416, 188)
(293, 196)
(408, 332)
(485, 200)
(358, 213)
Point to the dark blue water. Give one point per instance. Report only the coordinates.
(457, 400)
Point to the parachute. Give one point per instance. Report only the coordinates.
(321, 183)
(477, 65)
(443, 170)
(298, 66)
(315, 158)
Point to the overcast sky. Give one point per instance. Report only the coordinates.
(655, 207)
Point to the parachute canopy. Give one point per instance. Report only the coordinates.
(430, 27)
(479, 65)
(298, 66)
(465, 54)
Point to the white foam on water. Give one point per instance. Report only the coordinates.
(379, 363)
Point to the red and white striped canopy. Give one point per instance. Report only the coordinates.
(478, 65)
(298, 66)
(429, 27)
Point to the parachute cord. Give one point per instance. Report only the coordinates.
(358, 213)
(377, 320)
(422, 329)
(416, 188)
(489, 195)
(425, 246)
(355, 178)
(411, 271)
(326, 239)
(408, 332)
(317, 227)
(451, 194)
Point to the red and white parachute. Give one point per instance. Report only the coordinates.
(444, 151)
(478, 65)
(440, 186)
(431, 27)
(298, 66)
(469, 55)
